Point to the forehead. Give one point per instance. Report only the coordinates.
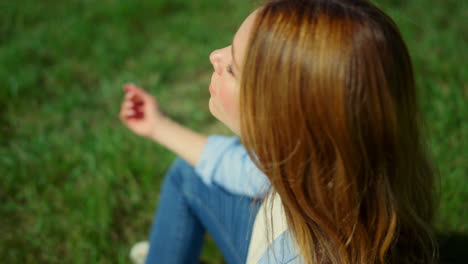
(242, 35)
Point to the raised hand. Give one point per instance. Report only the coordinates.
(140, 111)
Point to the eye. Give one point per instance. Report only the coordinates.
(229, 69)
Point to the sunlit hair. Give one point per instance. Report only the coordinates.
(330, 114)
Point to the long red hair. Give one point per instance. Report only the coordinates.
(329, 112)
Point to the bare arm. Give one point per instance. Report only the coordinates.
(181, 140)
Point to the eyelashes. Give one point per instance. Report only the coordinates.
(229, 69)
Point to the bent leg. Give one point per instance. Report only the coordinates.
(187, 208)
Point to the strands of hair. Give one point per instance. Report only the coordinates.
(330, 114)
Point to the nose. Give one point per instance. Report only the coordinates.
(216, 59)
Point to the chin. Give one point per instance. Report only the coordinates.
(215, 113)
(212, 108)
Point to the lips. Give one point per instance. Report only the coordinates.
(212, 90)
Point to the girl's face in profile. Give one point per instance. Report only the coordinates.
(225, 81)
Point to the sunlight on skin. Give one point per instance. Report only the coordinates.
(225, 82)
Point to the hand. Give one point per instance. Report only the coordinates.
(140, 111)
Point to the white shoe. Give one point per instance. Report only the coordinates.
(139, 252)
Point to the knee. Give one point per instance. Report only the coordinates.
(179, 171)
(180, 164)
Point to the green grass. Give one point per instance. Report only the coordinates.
(77, 187)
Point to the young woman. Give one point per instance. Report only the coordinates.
(329, 165)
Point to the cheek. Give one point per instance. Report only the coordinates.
(225, 107)
(227, 100)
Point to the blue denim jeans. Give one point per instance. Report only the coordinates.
(187, 208)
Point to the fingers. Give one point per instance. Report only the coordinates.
(132, 106)
(131, 110)
(129, 115)
(139, 93)
(132, 89)
(133, 98)
(130, 86)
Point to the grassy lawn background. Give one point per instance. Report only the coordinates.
(77, 187)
